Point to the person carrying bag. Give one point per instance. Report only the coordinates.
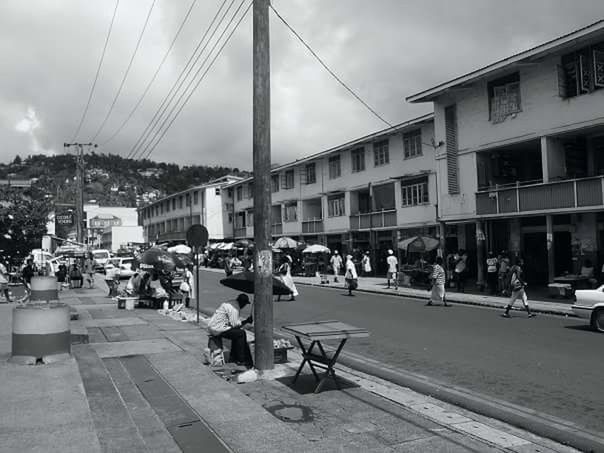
(351, 276)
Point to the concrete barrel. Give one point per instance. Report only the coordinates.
(44, 289)
(41, 331)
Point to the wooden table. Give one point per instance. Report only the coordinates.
(576, 281)
(317, 332)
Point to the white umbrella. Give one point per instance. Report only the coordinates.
(316, 248)
(286, 243)
(214, 246)
(226, 246)
(180, 248)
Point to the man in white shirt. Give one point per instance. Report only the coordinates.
(392, 263)
(225, 322)
(336, 264)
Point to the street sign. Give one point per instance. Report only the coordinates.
(197, 235)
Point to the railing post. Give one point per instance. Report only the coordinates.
(497, 198)
(575, 193)
(517, 196)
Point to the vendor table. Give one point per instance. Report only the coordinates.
(576, 281)
(316, 332)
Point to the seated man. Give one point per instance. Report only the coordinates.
(225, 322)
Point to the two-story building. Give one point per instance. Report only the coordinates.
(168, 218)
(366, 194)
(523, 163)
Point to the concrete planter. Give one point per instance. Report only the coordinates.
(44, 289)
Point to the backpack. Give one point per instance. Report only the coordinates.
(515, 283)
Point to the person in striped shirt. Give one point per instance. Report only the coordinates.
(438, 283)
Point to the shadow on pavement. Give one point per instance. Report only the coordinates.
(306, 384)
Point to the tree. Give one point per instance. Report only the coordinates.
(23, 218)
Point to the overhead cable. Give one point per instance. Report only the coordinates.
(184, 73)
(314, 54)
(119, 90)
(98, 70)
(140, 99)
(201, 78)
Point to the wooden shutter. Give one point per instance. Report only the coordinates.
(562, 85)
(452, 157)
(598, 57)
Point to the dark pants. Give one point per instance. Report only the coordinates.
(460, 281)
(492, 281)
(240, 350)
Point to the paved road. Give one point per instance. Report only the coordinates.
(549, 364)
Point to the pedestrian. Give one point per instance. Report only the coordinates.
(4, 279)
(336, 264)
(112, 275)
(285, 273)
(366, 264)
(27, 273)
(351, 277)
(228, 269)
(517, 286)
(225, 322)
(89, 270)
(502, 274)
(187, 285)
(438, 283)
(392, 272)
(492, 276)
(61, 274)
(460, 271)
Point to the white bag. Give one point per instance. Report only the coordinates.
(184, 287)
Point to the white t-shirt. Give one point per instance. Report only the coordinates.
(224, 318)
(392, 263)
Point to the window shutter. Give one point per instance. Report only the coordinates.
(452, 157)
(585, 72)
(598, 57)
(562, 85)
(302, 171)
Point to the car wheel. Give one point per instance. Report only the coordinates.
(597, 320)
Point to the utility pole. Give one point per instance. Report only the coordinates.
(263, 279)
(80, 187)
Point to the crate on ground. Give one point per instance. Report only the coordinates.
(126, 302)
(281, 355)
(560, 290)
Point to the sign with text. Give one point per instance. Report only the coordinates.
(64, 220)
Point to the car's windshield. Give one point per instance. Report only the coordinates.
(114, 261)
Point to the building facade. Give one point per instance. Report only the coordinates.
(522, 168)
(168, 218)
(364, 195)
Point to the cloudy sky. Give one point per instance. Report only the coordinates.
(384, 49)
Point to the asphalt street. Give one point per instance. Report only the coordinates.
(549, 364)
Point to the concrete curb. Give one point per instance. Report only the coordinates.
(487, 304)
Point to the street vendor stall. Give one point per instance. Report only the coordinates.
(419, 271)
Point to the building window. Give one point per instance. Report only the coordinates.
(288, 180)
(415, 192)
(240, 220)
(290, 213)
(412, 143)
(250, 218)
(188, 199)
(581, 72)
(173, 204)
(504, 97)
(335, 169)
(167, 206)
(274, 183)
(358, 159)
(217, 191)
(250, 190)
(336, 206)
(381, 155)
(239, 193)
(195, 197)
(310, 173)
(230, 217)
(180, 200)
(452, 151)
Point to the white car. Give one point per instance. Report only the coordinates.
(124, 266)
(101, 257)
(590, 305)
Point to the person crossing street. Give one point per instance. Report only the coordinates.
(517, 286)
(438, 283)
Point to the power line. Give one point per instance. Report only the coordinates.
(179, 81)
(183, 93)
(329, 70)
(202, 77)
(140, 99)
(98, 70)
(117, 95)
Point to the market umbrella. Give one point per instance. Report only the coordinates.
(181, 260)
(418, 244)
(286, 243)
(158, 258)
(244, 244)
(244, 282)
(225, 246)
(316, 248)
(180, 249)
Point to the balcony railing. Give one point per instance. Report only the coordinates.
(312, 226)
(240, 232)
(376, 219)
(277, 228)
(566, 194)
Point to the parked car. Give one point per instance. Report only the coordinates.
(124, 266)
(100, 257)
(590, 305)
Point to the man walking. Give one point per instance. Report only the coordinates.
(492, 273)
(438, 283)
(517, 285)
(336, 264)
(392, 264)
(89, 270)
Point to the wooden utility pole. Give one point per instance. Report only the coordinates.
(263, 280)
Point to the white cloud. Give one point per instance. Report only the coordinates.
(28, 125)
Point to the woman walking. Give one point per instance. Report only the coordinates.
(285, 270)
(438, 283)
(351, 277)
(366, 264)
(517, 285)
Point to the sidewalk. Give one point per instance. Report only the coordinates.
(136, 382)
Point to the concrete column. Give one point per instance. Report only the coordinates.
(553, 158)
(442, 237)
(514, 245)
(549, 237)
(480, 255)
